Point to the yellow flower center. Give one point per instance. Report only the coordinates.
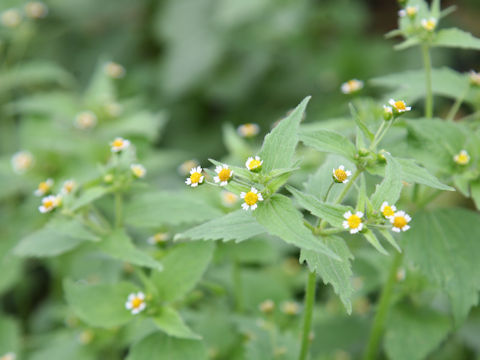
(137, 302)
(354, 221)
(159, 237)
(43, 186)
(195, 177)
(430, 25)
(340, 175)
(399, 222)
(400, 105)
(117, 143)
(230, 198)
(387, 211)
(254, 164)
(251, 198)
(462, 158)
(249, 129)
(224, 174)
(411, 10)
(48, 203)
(68, 187)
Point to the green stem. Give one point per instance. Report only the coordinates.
(307, 319)
(377, 134)
(118, 209)
(348, 186)
(427, 64)
(380, 137)
(453, 111)
(328, 191)
(382, 311)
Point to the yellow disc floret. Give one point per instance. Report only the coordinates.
(195, 177)
(462, 158)
(340, 175)
(224, 174)
(388, 210)
(353, 221)
(251, 198)
(400, 221)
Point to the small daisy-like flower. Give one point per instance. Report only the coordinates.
(290, 308)
(184, 168)
(254, 164)
(341, 175)
(157, 238)
(114, 70)
(85, 337)
(228, 198)
(387, 112)
(22, 161)
(474, 78)
(351, 86)
(429, 24)
(248, 130)
(196, 177)
(387, 210)
(49, 203)
(224, 174)
(44, 187)
(113, 109)
(410, 11)
(138, 170)
(267, 306)
(462, 158)
(399, 106)
(251, 199)
(400, 221)
(36, 10)
(401, 274)
(119, 144)
(353, 221)
(11, 18)
(68, 187)
(85, 120)
(136, 302)
(8, 356)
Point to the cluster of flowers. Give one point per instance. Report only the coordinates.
(411, 12)
(12, 18)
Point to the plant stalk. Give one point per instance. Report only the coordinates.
(427, 64)
(456, 106)
(307, 319)
(118, 209)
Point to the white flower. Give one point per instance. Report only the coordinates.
(9, 356)
(196, 177)
(387, 210)
(36, 10)
(136, 302)
(114, 70)
(138, 170)
(341, 175)
(119, 144)
(290, 308)
(400, 221)
(251, 199)
(399, 106)
(68, 186)
(254, 164)
(462, 158)
(409, 11)
(184, 168)
(11, 18)
(228, 198)
(474, 78)
(224, 174)
(429, 24)
(248, 130)
(353, 221)
(22, 161)
(157, 238)
(85, 120)
(267, 306)
(49, 203)
(44, 187)
(351, 86)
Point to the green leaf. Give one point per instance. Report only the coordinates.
(101, 305)
(89, 196)
(236, 145)
(413, 333)
(389, 237)
(330, 142)
(279, 145)
(444, 245)
(57, 237)
(119, 245)
(390, 188)
(333, 214)
(339, 274)
(372, 239)
(158, 208)
(280, 218)
(161, 347)
(184, 266)
(413, 173)
(475, 192)
(170, 322)
(238, 225)
(456, 38)
(361, 124)
(10, 339)
(412, 41)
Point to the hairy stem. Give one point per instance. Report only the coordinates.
(307, 319)
(348, 186)
(427, 65)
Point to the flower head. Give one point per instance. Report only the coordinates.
(85, 337)
(36, 10)
(410, 11)
(387, 210)
(251, 199)
(44, 187)
(387, 112)
(119, 144)
(353, 221)
(429, 24)
(341, 175)
(290, 308)
(68, 187)
(224, 175)
(351, 86)
(248, 130)
(9, 356)
(157, 238)
(11, 18)
(85, 120)
(267, 306)
(136, 302)
(184, 168)
(49, 203)
(474, 78)
(399, 106)
(22, 161)
(228, 198)
(462, 158)
(254, 164)
(114, 70)
(138, 170)
(400, 221)
(196, 177)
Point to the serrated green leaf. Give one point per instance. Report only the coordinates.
(88, 196)
(279, 145)
(390, 188)
(372, 239)
(158, 208)
(101, 305)
(170, 322)
(361, 125)
(330, 142)
(456, 38)
(119, 246)
(280, 218)
(184, 266)
(444, 245)
(238, 225)
(413, 173)
(337, 273)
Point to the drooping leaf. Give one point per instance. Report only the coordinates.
(330, 142)
(456, 38)
(170, 322)
(390, 188)
(389, 237)
(372, 239)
